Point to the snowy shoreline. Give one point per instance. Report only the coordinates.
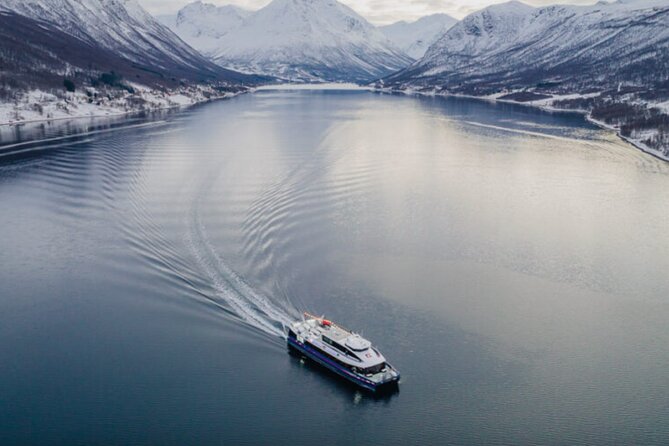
(638, 144)
(541, 104)
(37, 106)
(32, 106)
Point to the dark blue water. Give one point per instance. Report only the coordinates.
(512, 264)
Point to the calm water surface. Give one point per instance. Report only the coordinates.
(513, 265)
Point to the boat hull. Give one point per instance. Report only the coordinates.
(318, 357)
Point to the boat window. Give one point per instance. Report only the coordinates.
(329, 341)
(347, 352)
(353, 355)
(340, 347)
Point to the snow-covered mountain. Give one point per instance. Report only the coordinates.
(414, 38)
(513, 45)
(126, 29)
(201, 25)
(309, 40)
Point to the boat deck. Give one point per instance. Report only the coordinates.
(311, 329)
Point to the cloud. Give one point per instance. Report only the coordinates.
(377, 11)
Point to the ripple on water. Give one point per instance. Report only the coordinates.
(508, 268)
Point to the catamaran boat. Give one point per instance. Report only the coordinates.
(346, 353)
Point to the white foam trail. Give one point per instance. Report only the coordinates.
(252, 307)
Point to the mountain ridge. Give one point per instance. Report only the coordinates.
(124, 27)
(304, 40)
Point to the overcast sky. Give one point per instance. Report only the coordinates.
(377, 11)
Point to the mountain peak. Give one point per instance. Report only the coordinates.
(296, 39)
(512, 6)
(414, 38)
(306, 3)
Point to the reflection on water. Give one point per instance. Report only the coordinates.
(510, 263)
(32, 136)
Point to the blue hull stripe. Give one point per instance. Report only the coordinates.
(326, 362)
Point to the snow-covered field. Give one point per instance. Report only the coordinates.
(39, 105)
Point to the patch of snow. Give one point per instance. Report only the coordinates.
(664, 106)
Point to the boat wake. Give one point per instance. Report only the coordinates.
(189, 259)
(248, 304)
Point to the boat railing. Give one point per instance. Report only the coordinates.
(322, 318)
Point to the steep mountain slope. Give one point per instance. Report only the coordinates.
(127, 30)
(37, 54)
(513, 45)
(414, 38)
(308, 40)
